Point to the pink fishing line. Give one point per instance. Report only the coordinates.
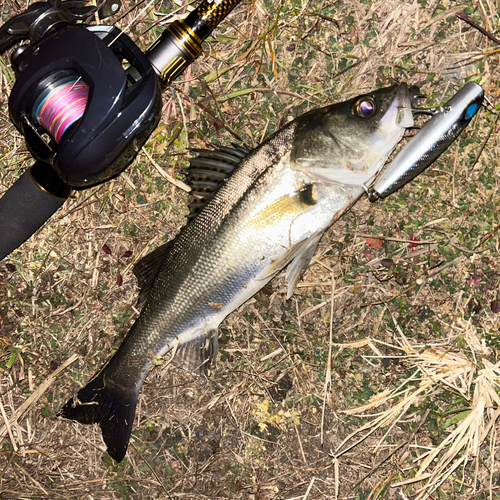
(62, 107)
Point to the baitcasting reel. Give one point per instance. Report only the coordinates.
(86, 99)
(78, 108)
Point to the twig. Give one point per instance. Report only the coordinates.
(466, 250)
(399, 240)
(168, 177)
(28, 452)
(309, 488)
(438, 269)
(38, 485)
(300, 445)
(378, 302)
(38, 393)
(328, 376)
(464, 17)
(428, 274)
(336, 475)
(152, 470)
(7, 425)
(221, 116)
(401, 446)
(488, 236)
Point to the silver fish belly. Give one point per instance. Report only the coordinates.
(269, 213)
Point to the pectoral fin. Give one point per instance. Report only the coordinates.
(299, 256)
(301, 262)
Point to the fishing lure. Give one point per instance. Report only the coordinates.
(435, 136)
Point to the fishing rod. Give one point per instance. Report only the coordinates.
(86, 99)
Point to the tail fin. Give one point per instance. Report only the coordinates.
(112, 407)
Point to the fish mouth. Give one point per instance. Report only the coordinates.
(399, 114)
(405, 97)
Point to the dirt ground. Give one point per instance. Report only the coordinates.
(402, 293)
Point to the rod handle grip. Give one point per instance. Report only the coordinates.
(24, 208)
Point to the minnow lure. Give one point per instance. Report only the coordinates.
(435, 136)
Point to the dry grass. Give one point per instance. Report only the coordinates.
(378, 379)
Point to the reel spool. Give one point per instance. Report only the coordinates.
(78, 108)
(83, 115)
(61, 105)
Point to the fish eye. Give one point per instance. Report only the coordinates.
(364, 107)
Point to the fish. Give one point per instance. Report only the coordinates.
(254, 213)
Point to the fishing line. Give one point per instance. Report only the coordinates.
(62, 105)
(170, 17)
(124, 30)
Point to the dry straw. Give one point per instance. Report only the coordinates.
(473, 377)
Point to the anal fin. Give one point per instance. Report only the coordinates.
(196, 355)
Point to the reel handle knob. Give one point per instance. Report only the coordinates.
(40, 18)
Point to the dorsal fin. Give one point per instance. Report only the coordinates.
(147, 269)
(208, 171)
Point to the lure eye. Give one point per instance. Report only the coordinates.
(365, 107)
(471, 111)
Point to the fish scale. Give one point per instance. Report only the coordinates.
(270, 212)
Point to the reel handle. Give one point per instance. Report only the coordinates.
(122, 107)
